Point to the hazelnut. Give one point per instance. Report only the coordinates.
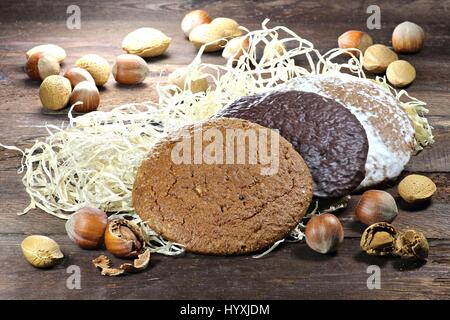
(189, 79)
(411, 244)
(355, 39)
(76, 75)
(123, 238)
(377, 58)
(215, 34)
(235, 48)
(85, 96)
(400, 73)
(41, 251)
(54, 50)
(194, 19)
(416, 188)
(41, 65)
(97, 66)
(324, 233)
(130, 69)
(54, 92)
(146, 42)
(86, 227)
(376, 206)
(408, 37)
(378, 239)
(274, 49)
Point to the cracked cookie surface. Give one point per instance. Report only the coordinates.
(222, 208)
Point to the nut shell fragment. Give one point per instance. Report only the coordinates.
(411, 244)
(378, 239)
(104, 264)
(139, 264)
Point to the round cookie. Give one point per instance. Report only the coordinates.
(327, 135)
(388, 128)
(227, 206)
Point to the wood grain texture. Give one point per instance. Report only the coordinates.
(291, 272)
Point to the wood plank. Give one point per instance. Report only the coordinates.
(293, 272)
(432, 219)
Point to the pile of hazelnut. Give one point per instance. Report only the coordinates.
(407, 37)
(377, 209)
(78, 85)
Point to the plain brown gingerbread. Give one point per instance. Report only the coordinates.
(221, 208)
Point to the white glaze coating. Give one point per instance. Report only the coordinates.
(388, 128)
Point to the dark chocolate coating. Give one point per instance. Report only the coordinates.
(328, 136)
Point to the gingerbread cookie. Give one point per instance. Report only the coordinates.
(222, 204)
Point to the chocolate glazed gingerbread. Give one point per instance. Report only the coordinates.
(329, 137)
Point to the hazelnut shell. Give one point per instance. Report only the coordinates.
(355, 39)
(41, 65)
(411, 244)
(194, 19)
(123, 238)
(129, 69)
(85, 96)
(86, 227)
(408, 37)
(376, 206)
(324, 233)
(56, 51)
(76, 75)
(378, 239)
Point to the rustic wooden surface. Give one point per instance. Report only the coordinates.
(291, 272)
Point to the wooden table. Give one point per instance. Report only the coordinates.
(292, 271)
